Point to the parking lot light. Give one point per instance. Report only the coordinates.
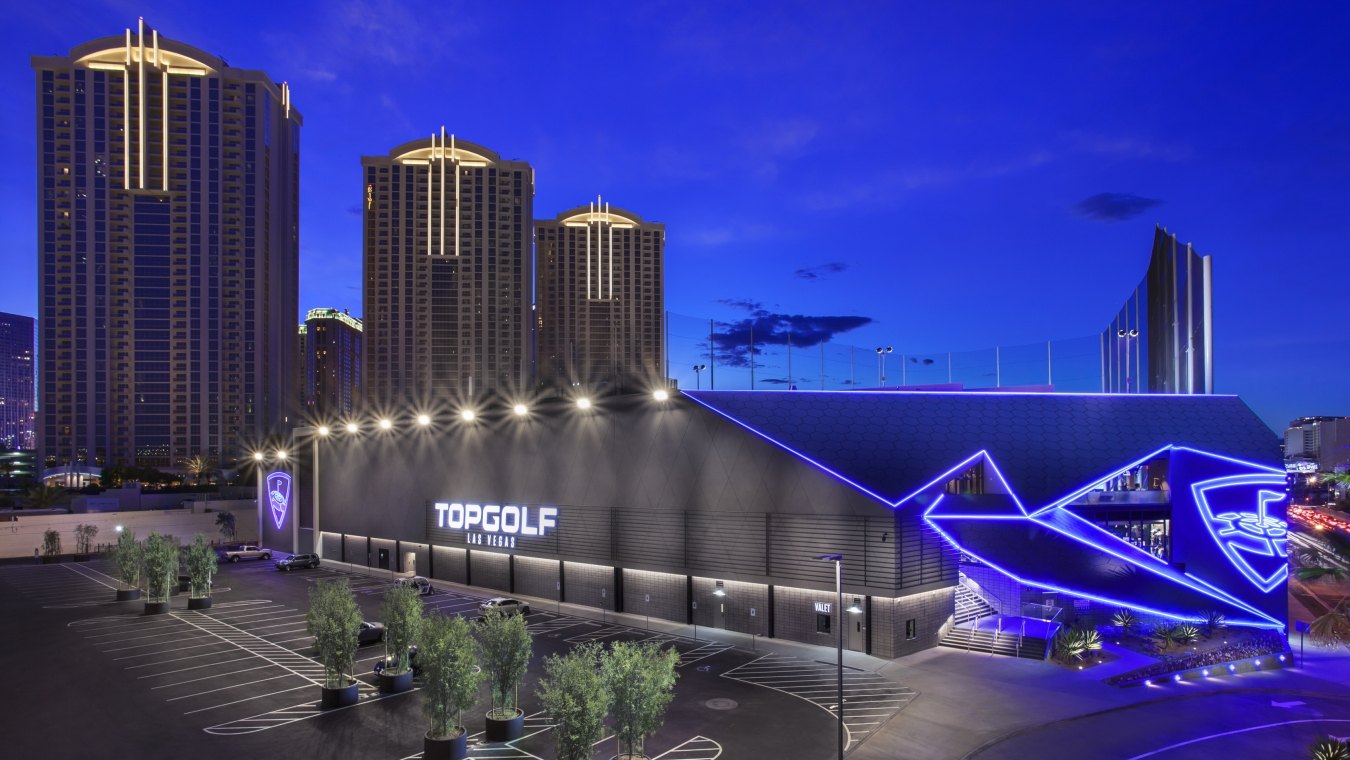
(423, 420)
(323, 431)
(281, 454)
(521, 410)
(467, 415)
(583, 403)
(386, 423)
(118, 529)
(352, 427)
(661, 395)
(257, 456)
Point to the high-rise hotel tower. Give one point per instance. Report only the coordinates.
(600, 298)
(447, 273)
(168, 250)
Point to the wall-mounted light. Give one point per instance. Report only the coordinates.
(423, 420)
(719, 591)
(352, 427)
(521, 410)
(467, 415)
(323, 430)
(856, 607)
(281, 454)
(583, 403)
(386, 423)
(661, 395)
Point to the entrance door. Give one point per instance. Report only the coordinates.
(719, 613)
(410, 562)
(384, 559)
(856, 636)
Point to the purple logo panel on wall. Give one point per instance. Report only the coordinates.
(279, 496)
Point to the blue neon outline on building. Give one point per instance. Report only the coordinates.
(1248, 534)
(279, 496)
(1084, 532)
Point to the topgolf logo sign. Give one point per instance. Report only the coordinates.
(495, 524)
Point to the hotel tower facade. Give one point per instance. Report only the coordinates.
(168, 246)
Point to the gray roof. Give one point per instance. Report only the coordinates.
(1046, 445)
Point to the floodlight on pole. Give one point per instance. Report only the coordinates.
(467, 415)
(323, 431)
(386, 423)
(521, 410)
(583, 403)
(661, 395)
(423, 420)
(352, 427)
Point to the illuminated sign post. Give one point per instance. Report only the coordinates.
(495, 524)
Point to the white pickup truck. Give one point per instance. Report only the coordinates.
(245, 552)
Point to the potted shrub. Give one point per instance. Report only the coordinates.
(504, 646)
(402, 612)
(201, 565)
(334, 620)
(450, 679)
(641, 680)
(576, 698)
(127, 555)
(51, 546)
(161, 571)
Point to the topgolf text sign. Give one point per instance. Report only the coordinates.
(495, 524)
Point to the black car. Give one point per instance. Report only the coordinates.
(370, 633)
(505, 605)
(297, 561)
(383, 664)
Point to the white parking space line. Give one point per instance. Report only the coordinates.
(157, 625)
(207, 678)
(88, 574)
(231, 686)
(165, 651)
(869, 699)
(155, 644)
(192, 667)
(274, 625)
(697, 748)
(249, 699)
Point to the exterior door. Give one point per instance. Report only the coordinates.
(384, 559)
(719, 613)
(856, 635)
(410, 562)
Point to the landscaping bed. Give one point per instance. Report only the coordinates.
(1232, 651)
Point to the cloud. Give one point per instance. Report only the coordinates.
(1115, 207)
(766, 328)
(817, 272)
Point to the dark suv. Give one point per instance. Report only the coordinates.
(296, 561)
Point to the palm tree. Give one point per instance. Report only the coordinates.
(1333, 628)
(198, 465)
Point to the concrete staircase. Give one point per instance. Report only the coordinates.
(976, 628)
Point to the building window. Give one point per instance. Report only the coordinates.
(822, 623)
(911, 629)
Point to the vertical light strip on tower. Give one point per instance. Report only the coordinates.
(452, 153)
(1190, 323)
(442, 186)
(611, 256)
(430, 173)
(163, 116)
(140, 103)
(1208, 278)
(589, 219)
(126, 117)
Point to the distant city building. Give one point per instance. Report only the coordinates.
(168, 252)
(448, 271)
(1324, 441)
(600, 297)
(1162, 341)
(330, 344)
(16, 382)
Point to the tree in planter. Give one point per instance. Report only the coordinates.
(201, 565)
(225, 522)
(51, 543)
(1214, 621)
(576, 698)
(161, 567)
(84, 537)
(128, 556)
(641, 681)
(334, 621)
(402, 611)
(450, 675)
(505, 646)
(1333, 628)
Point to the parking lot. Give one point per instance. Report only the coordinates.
(240, 678)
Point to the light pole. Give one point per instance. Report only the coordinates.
(881, 364)
(698, 375)
(258, 458)
(1127, 336)
(838, 559)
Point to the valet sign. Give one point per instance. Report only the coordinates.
(495, 524)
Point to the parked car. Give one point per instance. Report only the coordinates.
(245, 552)
(381, 664)
(370, 632)
(297, 562)
(506, 605)
(418, 582)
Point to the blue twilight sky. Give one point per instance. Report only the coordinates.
(939, 177)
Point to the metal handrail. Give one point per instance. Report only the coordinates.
(982, 592)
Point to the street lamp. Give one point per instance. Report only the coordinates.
(661, 395)
(838, 559)
(698, 375)
(881, 364)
